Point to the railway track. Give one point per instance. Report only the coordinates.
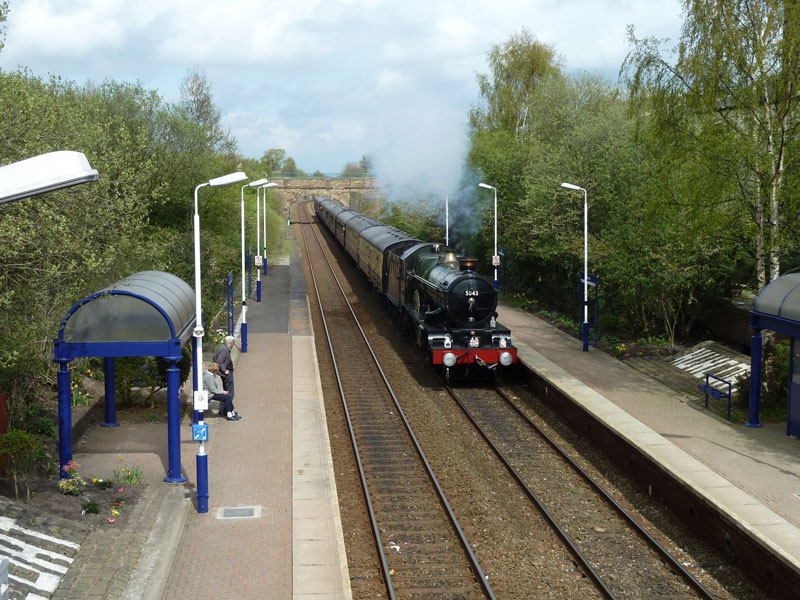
(422, 550)
(602, 536)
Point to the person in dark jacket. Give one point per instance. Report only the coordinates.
(211, 383)
(223, 358)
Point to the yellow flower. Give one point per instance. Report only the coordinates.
(114, 512)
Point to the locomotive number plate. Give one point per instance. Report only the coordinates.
(474, 342)
(471, 293)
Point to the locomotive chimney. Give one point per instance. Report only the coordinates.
(467, 263)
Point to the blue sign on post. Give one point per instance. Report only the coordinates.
(200, 432)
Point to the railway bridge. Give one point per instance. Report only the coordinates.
(356, 192)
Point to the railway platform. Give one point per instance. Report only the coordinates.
(748, 477)
(272, 530)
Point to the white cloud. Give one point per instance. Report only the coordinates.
(328, 80)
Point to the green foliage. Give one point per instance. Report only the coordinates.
(3, 17)
(23, 453)
(148, 374)
(724, 110)
(58, 248)
(361, 167)
(658, 240)
(127, 475)
(37, 420)
(90, 507)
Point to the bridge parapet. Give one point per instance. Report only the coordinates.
(354, 192)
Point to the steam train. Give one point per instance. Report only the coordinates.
(433, 293)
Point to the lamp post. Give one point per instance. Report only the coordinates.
(264, 187)
(244, 297)
(198, 329)
(44, 173)
(202, 436)
(30, 177)
(447, 217)
(495, 258)
(571, 186)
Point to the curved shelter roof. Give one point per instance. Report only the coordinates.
(145, 314)
(777, 307)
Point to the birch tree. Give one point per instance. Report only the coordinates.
(732, 77)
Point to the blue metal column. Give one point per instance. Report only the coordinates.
(244, 327)
(174, 421)
(201, 462)
(64, 417)
(110, 400)
(755, 380)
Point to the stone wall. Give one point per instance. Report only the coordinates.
(356, 192)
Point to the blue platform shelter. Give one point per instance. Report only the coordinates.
(777, 308)
(146, 314)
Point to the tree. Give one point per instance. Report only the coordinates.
(3, 18)
(518, 67)
(273, 160)
(734, 81)
(198, 102)
(361, 167)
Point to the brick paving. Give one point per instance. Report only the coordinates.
(249, 463)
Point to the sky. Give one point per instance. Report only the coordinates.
(326, 80)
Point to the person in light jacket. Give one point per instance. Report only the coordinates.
(212, 384)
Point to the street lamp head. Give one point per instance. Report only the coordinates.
(44, 173)
(488, 187)
(257, 183)
(270, 184)
(227, 179)
(571, 186)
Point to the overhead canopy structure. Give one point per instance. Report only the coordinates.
(141, 315)
(777, 308)
(146, 314)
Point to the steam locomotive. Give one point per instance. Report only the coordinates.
(433, 293)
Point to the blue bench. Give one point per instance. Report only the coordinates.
(715, 393)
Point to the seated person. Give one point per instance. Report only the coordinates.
(213, 385)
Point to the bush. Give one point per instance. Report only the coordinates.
(23, 452)
(149, 373)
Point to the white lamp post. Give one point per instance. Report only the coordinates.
(446, 217)
(495, 258)
(571, 186)
(198, 329)
(44, 173)
(264, 187)
(244, 292)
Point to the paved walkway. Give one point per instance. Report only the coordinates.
(271, 473)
